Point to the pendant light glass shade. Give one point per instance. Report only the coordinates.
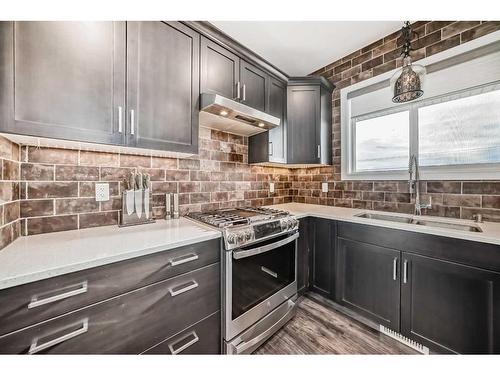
(408, 82)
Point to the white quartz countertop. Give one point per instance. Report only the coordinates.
(490, 231)
(39, 257)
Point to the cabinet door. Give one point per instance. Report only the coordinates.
(303, 254)
(449, 306)
(220, 70)
(277, 107)
(254, 86)
(368, 281)
(322, 273)
(303, 118)
(68, 79)
(162, 86)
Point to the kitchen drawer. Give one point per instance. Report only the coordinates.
(38, 301)
(200, 338)
(127, 324)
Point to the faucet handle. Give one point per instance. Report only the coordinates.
(478, 218)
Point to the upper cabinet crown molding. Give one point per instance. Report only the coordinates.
(218, 36)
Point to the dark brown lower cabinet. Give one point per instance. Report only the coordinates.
(449, 306)
(128, 324)
(200, 338)
(368, 281)
(303, 254)
(322, 266)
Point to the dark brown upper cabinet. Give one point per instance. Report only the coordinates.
(63, 80)
(270, 146)
(254, 86)
(220, 70)
(117, 83)
(226, 74)
(309, 121)
(162, 86)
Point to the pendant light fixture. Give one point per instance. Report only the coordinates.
(407, 81)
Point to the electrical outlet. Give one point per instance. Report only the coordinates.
(101, 192)
(271, 187)
(324, 187)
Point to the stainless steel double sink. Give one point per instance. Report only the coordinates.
(420, 221)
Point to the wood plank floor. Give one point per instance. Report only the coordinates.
(319, 329)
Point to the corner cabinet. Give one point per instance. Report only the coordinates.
(322, 263)
(63, 80)
(82, 81)
(309, 121)
(162, 86)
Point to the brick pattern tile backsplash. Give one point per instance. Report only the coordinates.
(457, 199)
(57, 185)
(9, 192)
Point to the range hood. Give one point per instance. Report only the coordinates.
(218, 112)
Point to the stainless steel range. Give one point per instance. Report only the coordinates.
(259, 286)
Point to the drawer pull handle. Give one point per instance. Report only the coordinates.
(269, 272)
(183, 259)
(395, 268)
(35, 302)
(194, 340)
(35, 348)
(175, 292)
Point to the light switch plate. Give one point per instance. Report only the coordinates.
(101, 192)
(271, 187)
(324, 187)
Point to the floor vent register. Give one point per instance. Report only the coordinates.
(404, 340)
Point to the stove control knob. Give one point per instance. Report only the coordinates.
(241, 236)
(248, 235)
(231, 238)
(284, 224)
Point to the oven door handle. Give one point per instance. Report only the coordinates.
(262, 249)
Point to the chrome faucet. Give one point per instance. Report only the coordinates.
(414, 185)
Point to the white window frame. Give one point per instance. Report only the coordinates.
(447, 172)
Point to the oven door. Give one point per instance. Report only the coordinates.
(259, 278)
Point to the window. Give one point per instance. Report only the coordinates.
(382, 143)
(461, 131)
(454, 130)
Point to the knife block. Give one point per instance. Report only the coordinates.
(133, 219)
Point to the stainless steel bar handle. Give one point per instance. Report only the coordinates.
(395, 268)
(238, 89)
(262, 249)
(269, 272)
(194, 340)
(184, 259)
(120, 119)
(132, 121)
(35, 302)
(193, 284)
(319, 151)
(271, 148)
(35, 348)
(244, 92)
(405, 271)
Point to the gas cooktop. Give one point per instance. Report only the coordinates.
(243, 226)
(237, 216)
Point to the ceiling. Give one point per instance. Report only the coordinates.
(300, 47)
